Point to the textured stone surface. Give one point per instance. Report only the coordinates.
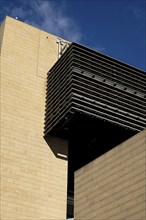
(33, 179)
(113, 185)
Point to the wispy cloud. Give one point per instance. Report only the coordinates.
(47, 16)
(139, 13)
(99, 48)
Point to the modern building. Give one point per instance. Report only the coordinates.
(73, 138)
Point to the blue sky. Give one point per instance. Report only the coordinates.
(116, 28)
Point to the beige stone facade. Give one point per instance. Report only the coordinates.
(113, 186)
(33, 179)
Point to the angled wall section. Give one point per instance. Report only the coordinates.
(2, 25)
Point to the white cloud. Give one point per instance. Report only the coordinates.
(99, 49)
(136, 12)
(139, 14)
(48, 16)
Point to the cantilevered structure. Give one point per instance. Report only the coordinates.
(89, 93)
(95, 102)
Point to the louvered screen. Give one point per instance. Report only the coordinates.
(86, 83)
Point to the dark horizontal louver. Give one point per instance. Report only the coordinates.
(85, 82)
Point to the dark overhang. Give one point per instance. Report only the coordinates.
(86, 84)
